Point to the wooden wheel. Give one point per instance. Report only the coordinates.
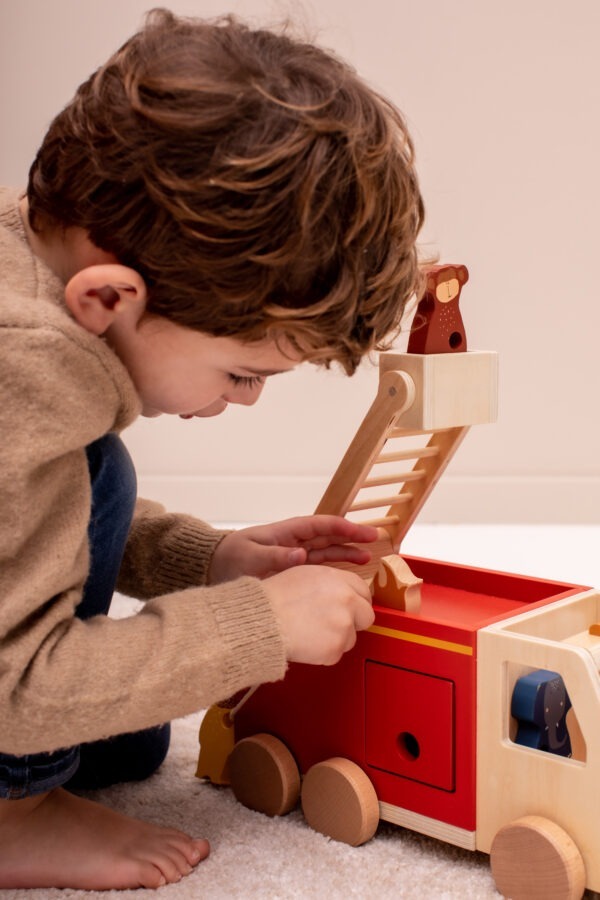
(339, 800)
(534, 859)
(264, 775)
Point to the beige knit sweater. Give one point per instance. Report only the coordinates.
(63, 680)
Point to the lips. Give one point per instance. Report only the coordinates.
(215, 409)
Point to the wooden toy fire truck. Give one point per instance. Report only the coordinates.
(470, 710)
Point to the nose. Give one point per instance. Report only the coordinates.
(244, 395)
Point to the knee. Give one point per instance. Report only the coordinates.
(152, 749)
(126, 757)
(112, 475)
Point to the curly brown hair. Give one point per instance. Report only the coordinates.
(257, 184)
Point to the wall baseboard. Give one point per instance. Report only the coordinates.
(456, 499)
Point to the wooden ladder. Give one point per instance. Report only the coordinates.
(392, 465)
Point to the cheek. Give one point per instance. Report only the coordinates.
(196, 390)
(175, 388)
(244, 396)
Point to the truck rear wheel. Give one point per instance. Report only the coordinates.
(339, 800)
(264, 775)
(533, 858)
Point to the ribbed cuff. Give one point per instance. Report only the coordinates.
(247, 622)
(186, 559)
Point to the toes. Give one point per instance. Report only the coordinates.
(178, 857)
(170, 870)
(198, 851)
(146, 875)
(193, 849)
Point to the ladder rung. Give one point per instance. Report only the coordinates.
(399, 478)
(377, 502)
(413, 453)
(399, 432)
(379, 523)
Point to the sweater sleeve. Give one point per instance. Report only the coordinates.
(64, 681)
(165, 552)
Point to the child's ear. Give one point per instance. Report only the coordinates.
(96, 295)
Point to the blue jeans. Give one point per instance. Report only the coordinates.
(126, 757)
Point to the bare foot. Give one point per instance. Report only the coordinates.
(60, 840)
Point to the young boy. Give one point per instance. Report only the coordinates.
(215, 206)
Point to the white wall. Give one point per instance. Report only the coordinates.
(503, 100)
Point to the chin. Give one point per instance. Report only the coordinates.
(211, 411)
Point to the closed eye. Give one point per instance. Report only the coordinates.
(247, 381)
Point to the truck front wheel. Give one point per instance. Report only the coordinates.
(533, 858)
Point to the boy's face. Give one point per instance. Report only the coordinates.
(183, 372)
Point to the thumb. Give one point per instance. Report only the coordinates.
(297, 557)
(278, 559)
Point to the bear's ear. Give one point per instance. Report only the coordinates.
(97, 294)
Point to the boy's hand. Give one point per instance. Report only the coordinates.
(320, 610)
(267, 549)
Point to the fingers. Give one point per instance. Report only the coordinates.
(338, 553)
(340, 529)
(357, 583)
(335, 553)
(271, 560)
(319, 531)
(362, 534)
(319, 610)
(268, 549)
(365, 616)
(355, 612)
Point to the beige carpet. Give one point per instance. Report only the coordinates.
(257, 857)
